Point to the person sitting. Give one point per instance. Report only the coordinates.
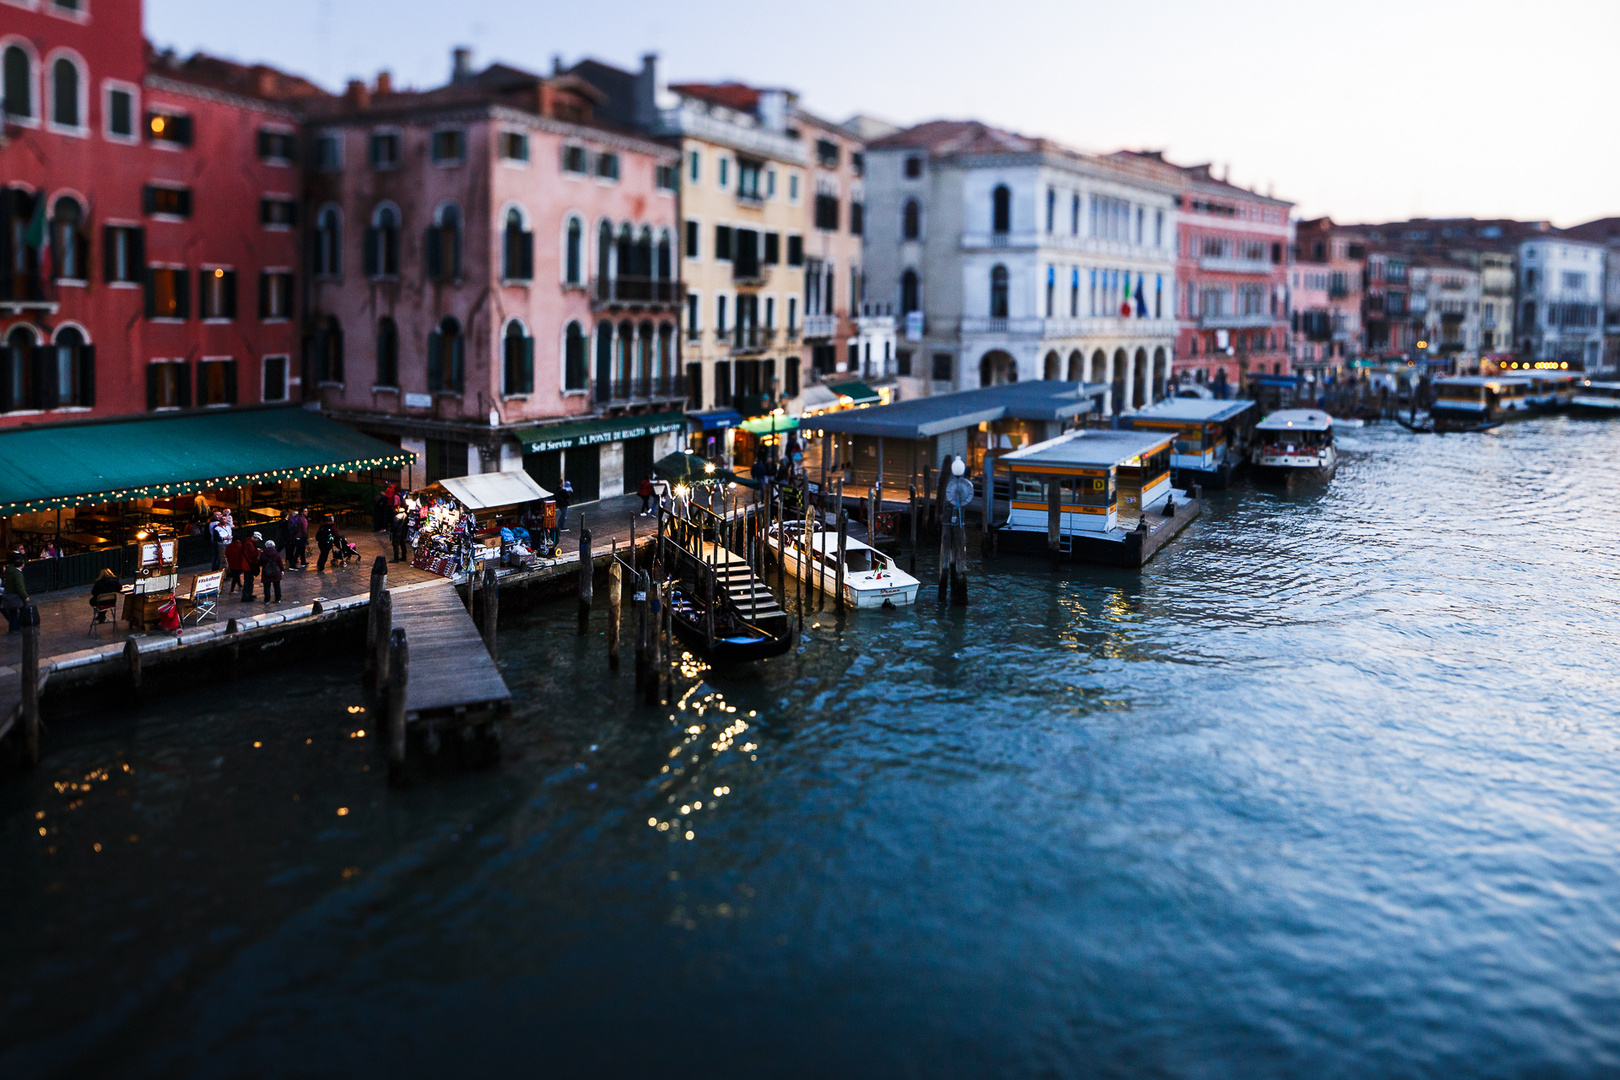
(106, 583)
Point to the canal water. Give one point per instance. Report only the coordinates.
(1331, 788)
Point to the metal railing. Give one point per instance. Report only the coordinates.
(751, 339)
(820, 326)
(642, 388)
(634, 290)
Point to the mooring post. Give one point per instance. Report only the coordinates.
(398, 679)
(1054, 518)
(639, 599)
(586, 572)
(132, 662)
(615, 607)
(781, 542)
(989, 502)
(913, 504)
(379, 582)
(383, 610)
(492, 609)
(843, 541)
(28, 618)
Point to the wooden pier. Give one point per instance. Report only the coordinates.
(451, 674)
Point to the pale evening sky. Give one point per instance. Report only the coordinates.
(1368, 110)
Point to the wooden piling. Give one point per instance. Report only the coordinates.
(398, 678)
(379, 582)
(28, 618)
(639, 599)
(492, 609)
(1054, 518)
(586, 572)
(132, 662)
(382, 609)
(843, 541)
(781, 543)
(913, 506)
(615, 608)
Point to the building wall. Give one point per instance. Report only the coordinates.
(840, 248)
(1559, 320)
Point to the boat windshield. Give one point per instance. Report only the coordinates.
(859, 561)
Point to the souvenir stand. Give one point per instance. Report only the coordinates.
(155, 580)
(463, 521)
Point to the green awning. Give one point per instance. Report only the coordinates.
(60, 466)
(537, 440)
(857, 392)
(768, 425)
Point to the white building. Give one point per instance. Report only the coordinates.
(1561, 303)
(1446, 298)
(1009, 259)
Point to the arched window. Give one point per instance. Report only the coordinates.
(576, 371)
(327, 252)
(517, 255)
(66, 108)
(387, 352)
(644, 254)
(604, 360)
(17, 370)
(664, 268)
(911, 220)
(19, 83)
(998, 292)
(626, 257)
(444, 245)
(666, 359)
(70, 371)
(517, 356)
(69, 244)
(382, 243)
(1001, 210)
(447, 353)
(573, 253)
(909, 288)
(644, 359)
(622, 365)
(325, 352)
(604, 261)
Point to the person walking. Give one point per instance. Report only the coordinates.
(398, 532)
(646, 493)
(16, 591)
(250, 564)
(298, 540)
(325, 537)
(271, 566)
(565, 495)
(233, 563)
(381, 507)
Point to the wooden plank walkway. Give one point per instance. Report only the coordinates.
(450, 670)
(749, 595)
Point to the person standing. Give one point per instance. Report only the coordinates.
(398, 530)
(233, 563)
(250, 564)
(271, 566)
(646, 493)
(216, 536)
(325, 537)
(16, 594)
(297, 540)
(565, 495)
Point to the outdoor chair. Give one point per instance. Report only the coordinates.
(204, 598)
(105, 604)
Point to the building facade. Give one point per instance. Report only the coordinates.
(1446, 302)
(1560, 303)
(150, 213)
(487, 262)
(1328, 277)
(1010, 258)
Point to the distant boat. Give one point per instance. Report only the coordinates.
(1292, 444)
(1597, 399)
(1476, 402)
(871, 579)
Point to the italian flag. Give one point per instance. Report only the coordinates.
(1125, 301)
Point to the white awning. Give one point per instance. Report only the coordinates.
(486, 490)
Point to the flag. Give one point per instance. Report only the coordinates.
(1141, 299)
(1125, 301)
(38, 237)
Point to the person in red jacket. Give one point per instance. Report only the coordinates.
(250, 564)
(233, 562)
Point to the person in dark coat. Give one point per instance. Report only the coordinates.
(298, 541)
(106, 583)
(250, 564)
(16, 594)
(271, 566)
(564, 495)
(398, 532)
(325, 537)
(381, 508)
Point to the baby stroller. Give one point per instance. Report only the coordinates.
(343, 552)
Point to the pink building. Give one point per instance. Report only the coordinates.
(494, 279)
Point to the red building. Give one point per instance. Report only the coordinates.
(150, 211)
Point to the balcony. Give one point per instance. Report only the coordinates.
(1220, 264)
(1000, 240)
(820, 326)
(645, 389)
(1261, 321)
(633, 293)
(1034, 326)
(751, 340)
(745, 274)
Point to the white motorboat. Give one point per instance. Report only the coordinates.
(871, 579)
(1294, 443)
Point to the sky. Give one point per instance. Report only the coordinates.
(1363, 109)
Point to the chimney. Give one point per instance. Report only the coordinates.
(356, 96)
(556, 64)
(385, 83)
(773, 108)
(460, 64)
(649, 88)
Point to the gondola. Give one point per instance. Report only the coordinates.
(736, 640)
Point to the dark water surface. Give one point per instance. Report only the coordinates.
(1329, 789)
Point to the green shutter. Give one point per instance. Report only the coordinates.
(527, 379)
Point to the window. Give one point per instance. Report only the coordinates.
(607, 166)
(448, 146)
(1574, 281)
(446, 356)
(120, 113)
(517, 356)
(169, 202)
(826, 153)
(445, 458)
(722, 242)
(328, 246)
(910, 292)
(666, 177)
(277, 146)
(18, 83)
(67, 85)
(70, 245)
(517, 249)
(913, 167)
(911, 220)
(573, 159)
(693, 165)
(748, 172)
(793, 187)
(216, 293)
(725, 171)
(1074, 214)
(942, 367)
(827, 212)
(574, 253)
(381, 253)
(123, 253)
(328, 152)
(576, 372)
(168, 293)
(1158, 231)
(323, 352)
(513, 146)
(216, 382)
(773, 249)
(17, 370)
(720, 315)
(857, 162)
(795, 254)
(382, 149)
(387, 352)
(168, 385)
(1051, 209)
(722, 383)
(791, 378)
(67, 375)
(278, 212)
(998, 292)
(857, 218)
(275, 294)
(692, 231)
(444, 245)
(275, 378)
(693, 327)
(770, 183)
(1001, 210)
(793, 318)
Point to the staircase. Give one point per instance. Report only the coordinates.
(747, 594)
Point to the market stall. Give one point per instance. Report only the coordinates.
(461, 522)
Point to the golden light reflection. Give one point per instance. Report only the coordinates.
(343, 811)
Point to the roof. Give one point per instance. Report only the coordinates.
(732, 95)
(1481, 380)
(1195, 410)
(1297, 419)
(486, 491)
(50, 467)
(1089, 449)
(925, 417)
(956, 137)
(1201, 174)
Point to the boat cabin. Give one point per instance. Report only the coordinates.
(1479, 397)
(1552, 389)
(1293, 432)
(1206, 431)
(1096, 471)
(1594, 397)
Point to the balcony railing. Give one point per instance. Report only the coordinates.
(1236, 322)
(820, 326)
(634, 292)
(640, 389)
(757, 274)
(746, 340)
(1222, 264)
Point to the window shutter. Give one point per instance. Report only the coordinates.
(151, 387)
(87, 375)
(185, 202)
(185, 382)
(292, 213)
(109, 252)
(527, 374)
(137, 253)
(182, 294)
(8, 213)
(435, 258)
(182, 130)
(148, 199)
(230, 382)
(230, 294)
(528, 255)
(264, 144)
(44, 376)
(368, 253)
(264, 295)
(458, 349)
(435, 362)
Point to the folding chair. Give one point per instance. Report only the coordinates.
(105, 604)
(204, 598)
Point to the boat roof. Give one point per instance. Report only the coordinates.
(1296, 419)
(1601, 385)
(1482, 380)
(1093, 449)
(1195, 410)
(924, 417)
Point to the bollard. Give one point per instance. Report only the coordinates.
(398, 679)
(492, 609)
(28, 619)
(586, 570)
(132, 661)
(383, 606)
(615, 608)
(843, 540)
(379, 582)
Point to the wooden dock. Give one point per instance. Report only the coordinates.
(749, 595)
(451, 673)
